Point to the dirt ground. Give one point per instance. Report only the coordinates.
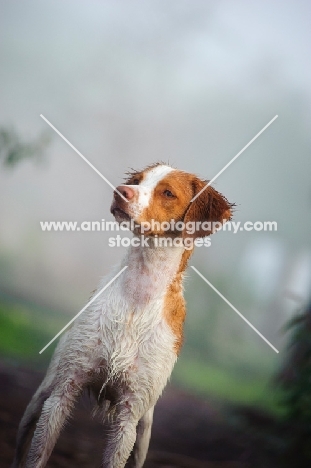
(187, 432)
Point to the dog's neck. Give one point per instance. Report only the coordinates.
(151, 270)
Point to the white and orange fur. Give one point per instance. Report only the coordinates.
(124, 346)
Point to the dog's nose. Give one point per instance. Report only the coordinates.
(125, 190)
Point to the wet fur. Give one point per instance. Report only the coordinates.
(124, 346)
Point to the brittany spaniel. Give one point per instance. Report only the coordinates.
(124, 346)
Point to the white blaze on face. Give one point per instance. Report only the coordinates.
(147, 186)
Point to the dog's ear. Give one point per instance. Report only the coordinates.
(208, 208)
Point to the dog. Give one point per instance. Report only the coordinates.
(125, 344)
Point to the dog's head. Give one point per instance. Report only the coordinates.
(170, 200)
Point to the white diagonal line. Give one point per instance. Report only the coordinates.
(82, 310)
(235, 157)
(235, 310)
(83, 157)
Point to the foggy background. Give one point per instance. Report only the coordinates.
(185, 82)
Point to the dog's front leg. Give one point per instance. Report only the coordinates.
(55, 411)
(28, 424)
(143, 432)
(121, 436)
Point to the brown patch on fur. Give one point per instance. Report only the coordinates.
(210, 206)
(163, 208)
(175, 305)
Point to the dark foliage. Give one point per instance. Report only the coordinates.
(13, 149)
(295, 380)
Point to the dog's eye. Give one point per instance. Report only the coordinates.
(168, 194)
(135, 182)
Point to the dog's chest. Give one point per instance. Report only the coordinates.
(132, 337)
